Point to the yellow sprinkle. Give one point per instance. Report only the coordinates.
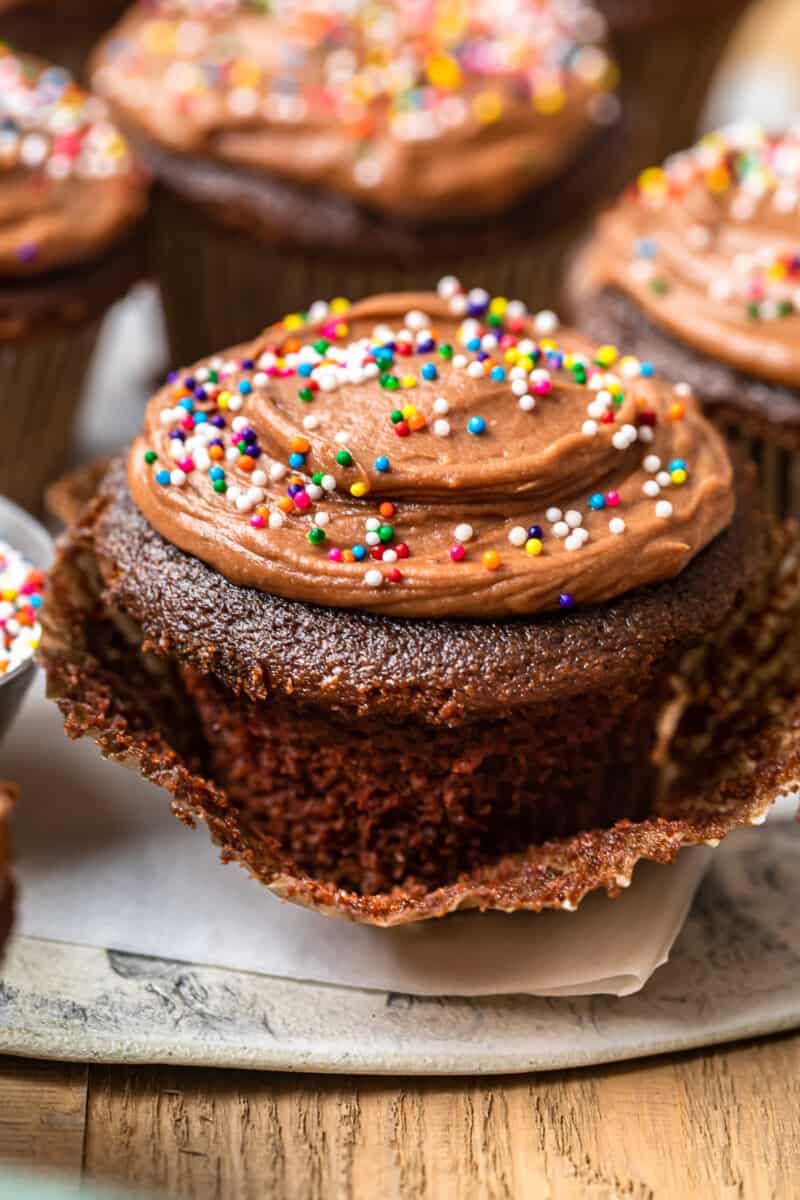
(358, 489)
(679, 475)
(408, 410)
(223, 398)
(408, 381)
(547, 344)
(533, 546)
(339, 305)
(245, 73)
(487, 107)
(717, 180)
(607, 355)
(550, 99)
(444, 72)
(498, 305)
(653, 180)
(511, 355)
(293, 321)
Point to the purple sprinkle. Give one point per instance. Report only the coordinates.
(566, 600)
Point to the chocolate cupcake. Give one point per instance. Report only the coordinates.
(419, 608)
(668, 51)
(62, 31)
(697, 270)
(363, 147)
(70, 197)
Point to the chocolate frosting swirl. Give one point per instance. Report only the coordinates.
(709, 248)
(419, 109)
(431, 456)
(68, 185)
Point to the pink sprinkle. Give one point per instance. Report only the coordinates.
(187, 422)
(186, 464)
(543, 387)
(457, 553)
(257, 521)
(612, 499)
(302, 500)
(335, 554)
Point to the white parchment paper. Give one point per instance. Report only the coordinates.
(102, 862)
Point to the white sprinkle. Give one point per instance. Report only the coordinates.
(232, 454)
(389, 556)
(459, 361)
(440, 406)
(527, 403)
(554, 514)
(518, 536)
(664, 478)
(458, 305)
(646, 434)
(276, 520)
(663, 509)
(178, 477)
(462, 533)
(314, 492)
(560, 529)
(373, 578)
(416, 319)
(517, 373)
(616, 525)
(447, 286)
(235, 402)
(441, 428)
(573, 518)
(683, 389)
(596, 408)
(322, 518)
(573, 542)
(342, 437)
(277, 471)
(202, 459)
(372, 524)
(519, 386)
(311, 421)
(590, 428)
(651, 488)
(652, 463)
(329, 483)
(372, 538)
(475, 370)
(239, 423)
(545, 322)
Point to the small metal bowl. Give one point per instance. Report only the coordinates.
(19, 529)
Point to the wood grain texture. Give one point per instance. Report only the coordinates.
(43, 1114)
(717, 1124)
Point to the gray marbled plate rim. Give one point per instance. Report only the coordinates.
(734, 973)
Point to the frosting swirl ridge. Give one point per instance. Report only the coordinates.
(431, 456)
(709, 248)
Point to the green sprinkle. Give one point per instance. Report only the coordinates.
(220, 486)
(150, 457)
(321, 345)
(306, 394)
(344, 458)
(316, 535)
(397, 416)
(317, 478)
(386, 533)
(446, 350)
(659, 286)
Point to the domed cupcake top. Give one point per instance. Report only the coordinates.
(68, 184)
(433, 456)
(709, 246)
(402, 107)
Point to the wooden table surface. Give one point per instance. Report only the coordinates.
(723, 1123)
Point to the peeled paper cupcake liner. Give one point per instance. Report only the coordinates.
(730, 745)
(220, 286)
(41, 381)
(666, 75)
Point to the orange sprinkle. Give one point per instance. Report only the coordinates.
(348, 556)
(299, 445)
(676, 411)
(417, 420)
(216, 452)
(490, 559)
(246, 462)
(285, 504)
(387, 509)
(262, 510)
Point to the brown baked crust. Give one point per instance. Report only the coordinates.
(443, 672)
(733, 399)
(73, 296)
(733, 746)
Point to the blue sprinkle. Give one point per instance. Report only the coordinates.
(381, 463)
(498, 374)
(646, 248)
(245, 387)
(201, 418)
(429, 371)
(216, 473)
(35, 601)
(186, 403)
(297, 460)
(358, 552)
(677, 464)
(476, 425)
(646, 369)
(597, 501)
(162, 477)
(304, 370)
(474, 343)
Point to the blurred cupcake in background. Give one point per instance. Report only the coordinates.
(359, 147)
(70, 197)
(62, 31)
(697, 270)
(668, 51)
